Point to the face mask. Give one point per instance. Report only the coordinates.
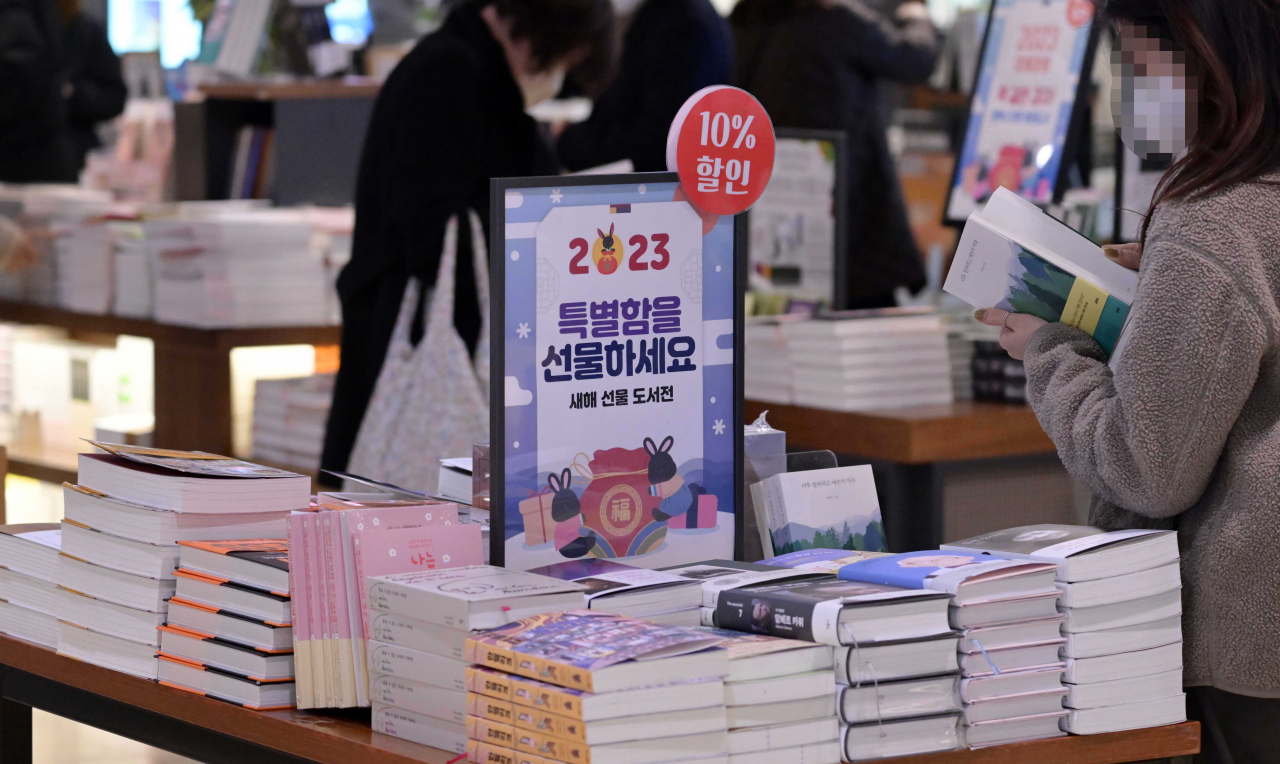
(541, 86)
(1155, 112)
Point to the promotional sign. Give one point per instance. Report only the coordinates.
(797, 240)
(1020, 118)
(616, 427)
(722, 145)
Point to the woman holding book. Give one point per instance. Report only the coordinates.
(1182, 429)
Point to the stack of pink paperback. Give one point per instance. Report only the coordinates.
(334, 548)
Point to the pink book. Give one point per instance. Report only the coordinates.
(343, 665)
(319, 692)
(299, 609)
(444, 546)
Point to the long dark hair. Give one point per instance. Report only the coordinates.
(1233, 47)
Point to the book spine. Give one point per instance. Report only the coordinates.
(355, 616)
(495, 654)
(525, 717)
(484, 753)
(524, 692)
(427, 638)
(389, 660)
(298, 610)
(527, 741)
(436, 702)
(315, 590)
(494, 733)
(390, 597)
(403, 724)
(343, 666)
(775, 614)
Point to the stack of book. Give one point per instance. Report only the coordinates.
(289, 417)
(616, 690)
(121, 530)
(779, 700)
(657, 596)
(334, 549)
(28, 582)
(420, 624)
(228, 634)
(881, 634)
(1005, 611)
(1122, 628)
(886, 359)
(767, 374)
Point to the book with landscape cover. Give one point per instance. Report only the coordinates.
(1014, 256)
(826, 509)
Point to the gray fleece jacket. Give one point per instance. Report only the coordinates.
(1185, 434)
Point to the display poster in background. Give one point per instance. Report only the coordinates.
(614, 346)
(1020, 116)
(796, 234)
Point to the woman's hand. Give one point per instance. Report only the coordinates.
(1128, 255)
(1015, 332)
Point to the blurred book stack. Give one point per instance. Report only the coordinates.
(44, 211)
(586, 687)
(863, 360)
(767, 372)
(121, 529)
(228, 633)
(347, 538)
(28, 582)
(84, 250)
(611, 587)
(289, 417)
(1122, 628)
(964, 335)
(419, 626)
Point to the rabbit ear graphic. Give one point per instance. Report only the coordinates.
(554, 482)
(667, 443)
(600, 232)
(650, 447)
(566, 479)
(611, 229)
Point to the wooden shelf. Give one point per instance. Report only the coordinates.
(918, 435)
(349, 87)
(346, 738)
(49, 466)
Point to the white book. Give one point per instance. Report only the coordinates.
(138, 592)
(136, 557)
(170, 489)
(231, 627)
(415, 665)
(1036, 631)
(1142, 636)
(31, 625)
(969, 577)
(779, 689)
(788, 712)
(1014, 658)
(260, 605)
(613, 587)
(472, 597)
(692, 721)
(1082, 553)
(227, 656)
(31, 549)
(28, 592)
(827, 752)
(455, 480)
(898, 700)
(1147, 713)
(688, 617)
(1025, 704)
(1131, 586)
(107, 651)
(938, 397)
(792, 507)
(663, 749)
(418, 635)
(163, 526)
(250, 693)
(1119, 692)
(1123, 665)
(897, 660)
(925, 322)
(419, 728)
(717, 576)
(113, 620)
(1157, 607)
(782, 736)
(1014, 730)
(755, 657)
(998, 612)
(436, 702)
(903, 737)
(1005, 685)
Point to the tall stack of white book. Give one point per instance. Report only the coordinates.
(28, 582)
(1122, 630)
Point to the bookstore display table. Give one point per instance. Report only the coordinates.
(906, 445)
(192, 377)
(220, 733)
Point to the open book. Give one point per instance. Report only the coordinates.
(1012, 255)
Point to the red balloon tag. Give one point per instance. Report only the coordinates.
(722, 144)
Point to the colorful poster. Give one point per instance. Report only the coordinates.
(1032, 59)
(619, 436)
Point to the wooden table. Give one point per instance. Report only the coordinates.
(192, 376)
(907, 445)
(220, 733)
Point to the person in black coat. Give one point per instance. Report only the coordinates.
(35, 144)
(816, 64)
(95, 89)
(672, 49)
(450, 117)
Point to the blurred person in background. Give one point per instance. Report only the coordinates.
(94, 86)
(450, 117)
(818, 64)
(671, 49)
(35, 140)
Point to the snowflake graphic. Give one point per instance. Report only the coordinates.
(718, 427)
(523, 331)
(556, 196)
